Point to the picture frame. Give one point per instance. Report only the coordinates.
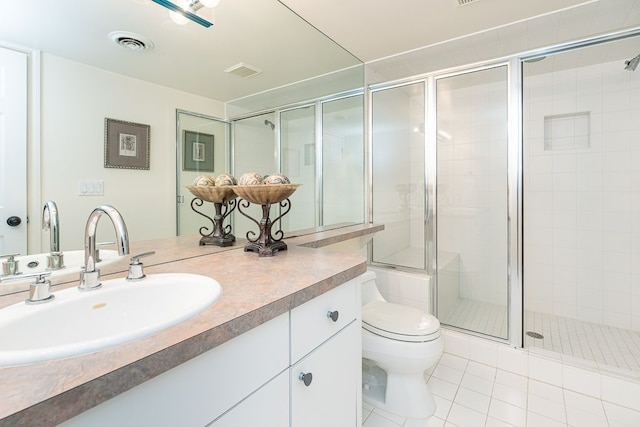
(126, 144)
(197, 151)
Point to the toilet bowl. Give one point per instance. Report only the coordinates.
(399, 343)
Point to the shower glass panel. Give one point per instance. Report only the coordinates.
(343, 161)
(297, 144)
(582, 204)
(472, 205)
(255, 149)
(398, 165)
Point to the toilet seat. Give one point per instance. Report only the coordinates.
(399, 322)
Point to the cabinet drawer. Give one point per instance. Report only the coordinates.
(311, 324)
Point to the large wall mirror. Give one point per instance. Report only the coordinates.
(78, 77)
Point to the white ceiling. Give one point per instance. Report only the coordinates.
(261, 33)
(373, 29)
(269, 36)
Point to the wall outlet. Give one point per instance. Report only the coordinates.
(90, 187)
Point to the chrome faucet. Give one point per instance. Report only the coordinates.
(90, 277)
(51, 222)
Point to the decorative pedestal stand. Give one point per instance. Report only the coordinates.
(266, 195)
(220, 197)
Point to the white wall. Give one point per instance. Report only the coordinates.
(582, 205)
(75, 100)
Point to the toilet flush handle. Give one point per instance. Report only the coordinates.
(306, 378)
(333, 315)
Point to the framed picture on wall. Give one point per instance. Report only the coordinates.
(197, 151)
(126, 145)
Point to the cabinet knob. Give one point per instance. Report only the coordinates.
(306, 378)
(333, 315)
(13, 221)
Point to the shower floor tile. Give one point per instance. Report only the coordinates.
(483, 317)
(607, 346)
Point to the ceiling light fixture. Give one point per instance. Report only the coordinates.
(184, 10)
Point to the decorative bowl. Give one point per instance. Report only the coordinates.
(263, 194)
(222, 194)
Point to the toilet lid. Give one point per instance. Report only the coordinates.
(399, 322)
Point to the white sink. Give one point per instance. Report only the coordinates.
(78, 322)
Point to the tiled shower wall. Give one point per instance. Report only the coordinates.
(582, 202)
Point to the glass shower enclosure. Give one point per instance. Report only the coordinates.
(439, 184)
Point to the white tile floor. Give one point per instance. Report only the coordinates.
(469, 393)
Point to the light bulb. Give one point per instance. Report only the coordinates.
(178, 18)
(210, 3)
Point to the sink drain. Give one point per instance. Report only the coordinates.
(535, 335)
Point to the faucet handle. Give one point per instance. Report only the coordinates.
(98, 249)
(10, 266)
(39, 290)
(9, 257)
(135, 266)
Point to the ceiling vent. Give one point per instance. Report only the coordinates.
(243, 70)
(464, 2)
(131, 41)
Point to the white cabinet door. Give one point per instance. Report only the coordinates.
(331, 397)
(202, 389)
(267, 407)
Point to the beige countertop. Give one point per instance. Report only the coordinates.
(255, 290)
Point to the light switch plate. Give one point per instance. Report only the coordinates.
(90, 187)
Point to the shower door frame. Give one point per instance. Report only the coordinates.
(514, 295)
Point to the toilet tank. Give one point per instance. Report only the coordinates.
(370, 290)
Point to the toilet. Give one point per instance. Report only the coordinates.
(399, 343)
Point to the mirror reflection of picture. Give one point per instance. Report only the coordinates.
(197, 151)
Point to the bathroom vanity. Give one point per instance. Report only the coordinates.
(242, 361)
(297, 365)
